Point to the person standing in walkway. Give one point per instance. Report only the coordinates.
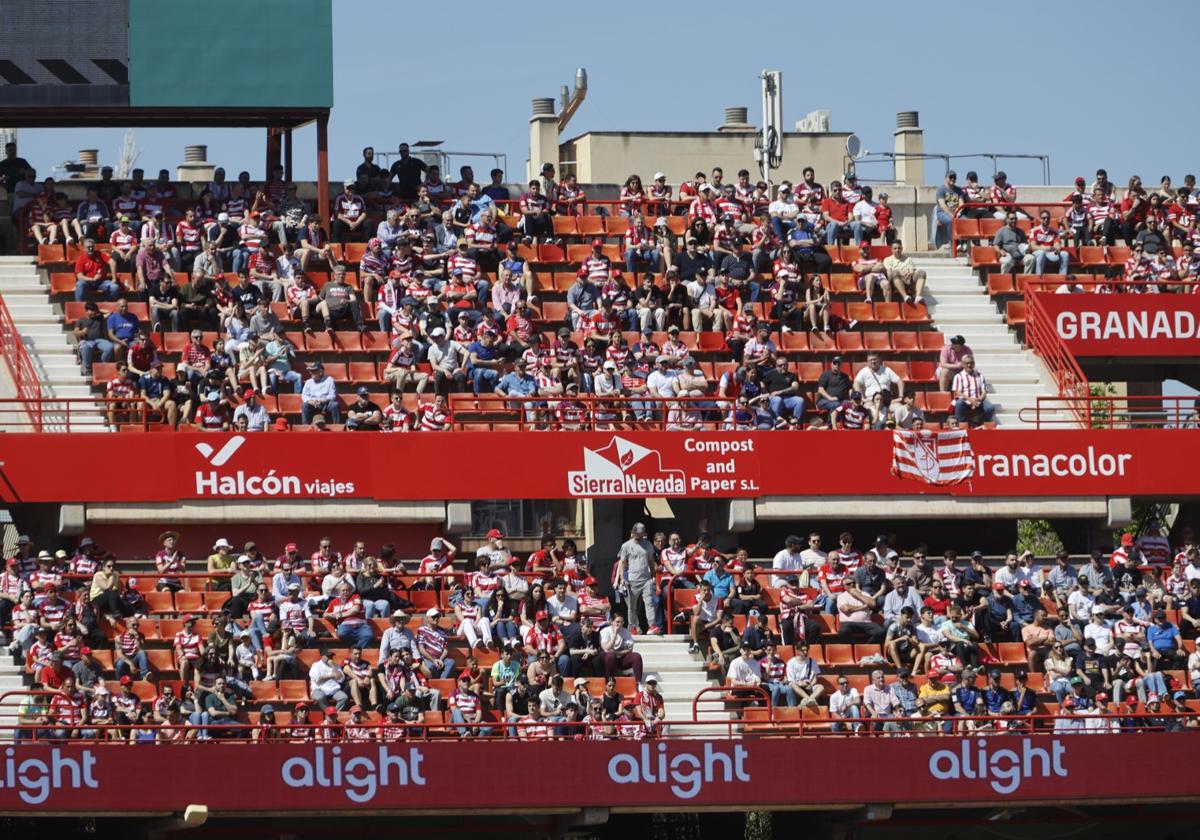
(635, 565)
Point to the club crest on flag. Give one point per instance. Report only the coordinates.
(939, 458)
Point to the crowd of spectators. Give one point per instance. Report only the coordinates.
(443, 275)
(1159, 227)
(540, 625)
(1106, 635)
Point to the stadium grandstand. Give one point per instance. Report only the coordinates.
(660, 613)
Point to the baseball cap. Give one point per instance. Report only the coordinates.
(1000, 175)
(949, 677)
(1152, 698)
(998, 586)
(597, 242)
(331, 710)
(243, 558)
(1179, 695)
(495, 534)
(436, 332)
(290, 547)
(126, 680)
(836, 360)
(658, 175)
(399, 614)
(589, 581)
(24, 540)
(293, 587)
(1126, 539)
(1076, 680)
(651, 678)
(752, 614)
(1068, 703)
(1081, 180)
(222, 217)
(435, 543)
(541, 614)
(578, 681)
(85, 651)
(187, 618)
(362, 391)
(267, 709)
(432, 612)
(45, 555)
(904, 672)
(248, 393)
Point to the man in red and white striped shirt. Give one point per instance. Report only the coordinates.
(347, 610)
(969, 391)
(188, 646)
(435, 416)
(1046, 243)
(124, 242)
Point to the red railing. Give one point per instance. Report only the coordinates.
(1041, 335)
(1115, 412)
(20, 368)
(73, 414)
(588, 412)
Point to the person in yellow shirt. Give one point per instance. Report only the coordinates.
(221, 560)
(936, 697)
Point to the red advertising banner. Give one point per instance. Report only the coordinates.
(632, 774)
(1126, 324)
(562, 465)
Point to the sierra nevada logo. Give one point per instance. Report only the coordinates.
(243, 483)
(623, 468)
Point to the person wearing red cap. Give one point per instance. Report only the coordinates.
(494, 550)
(358, 728)
(594, 608)
(545, 638)
(1000, 623)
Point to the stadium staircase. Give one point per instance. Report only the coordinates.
(51, 349)
(680, 678)
(959, 305)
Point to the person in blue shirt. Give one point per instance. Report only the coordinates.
(968, 699)
(995, 695)
(518, 383)
(156, 391)
(485, 362)
(1023, 605)
(122, 324)
(1024, 698)
(720, 578)
(1163, 637)
(758, 634)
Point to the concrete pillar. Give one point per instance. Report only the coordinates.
(458, 517)
(909, 140)
(543, 137)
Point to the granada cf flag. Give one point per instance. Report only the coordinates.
(933, 457)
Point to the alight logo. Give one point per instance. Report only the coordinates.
(35, 779)
(359, 777)
(240, 483)
(1006, 769)
(685, 772)
(623, 468)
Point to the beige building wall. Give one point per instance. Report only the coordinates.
(610, 157)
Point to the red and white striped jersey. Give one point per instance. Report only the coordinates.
(699, 208)
(1043, 236)
(635, 238)
(852, 194)
(786, 610)
(261, 609)
(189, 644)
(481, 235)
(785, 271)
(433, 419)
(571, 414)
(536, 358)
(125, 206)
(566, 194)
(1099, 212)
(470, 268)
(129, 642)
(252, 236)
(123, 239)
(804, 189)
(297, 293)
(188, 237)
(1002, 195)
(850, 560)
(359, 670)
(773, 669)
(762, 237)
(68, 645)
(82, 564)
(970, 384)
(730, 207)
(432, 641)
(67, 709)
(834, 576)
(431, 564)
(52, 611)
(618, 355)
(348, 611)
(293, 614)
(544, 641)
(596, 267)
(659, 192)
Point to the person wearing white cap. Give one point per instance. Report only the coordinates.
(659, 192)
(448, 359)
(220, 564)
(433, 646)
(651, 708)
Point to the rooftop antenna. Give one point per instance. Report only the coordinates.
(768, 146)
(129, 156)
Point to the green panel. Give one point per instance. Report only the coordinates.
(231, 53)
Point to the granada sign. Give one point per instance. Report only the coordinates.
(729, 773)
(1126, 324)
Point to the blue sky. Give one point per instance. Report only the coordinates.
(985, 78)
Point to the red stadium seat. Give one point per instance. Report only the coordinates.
(906, 342)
